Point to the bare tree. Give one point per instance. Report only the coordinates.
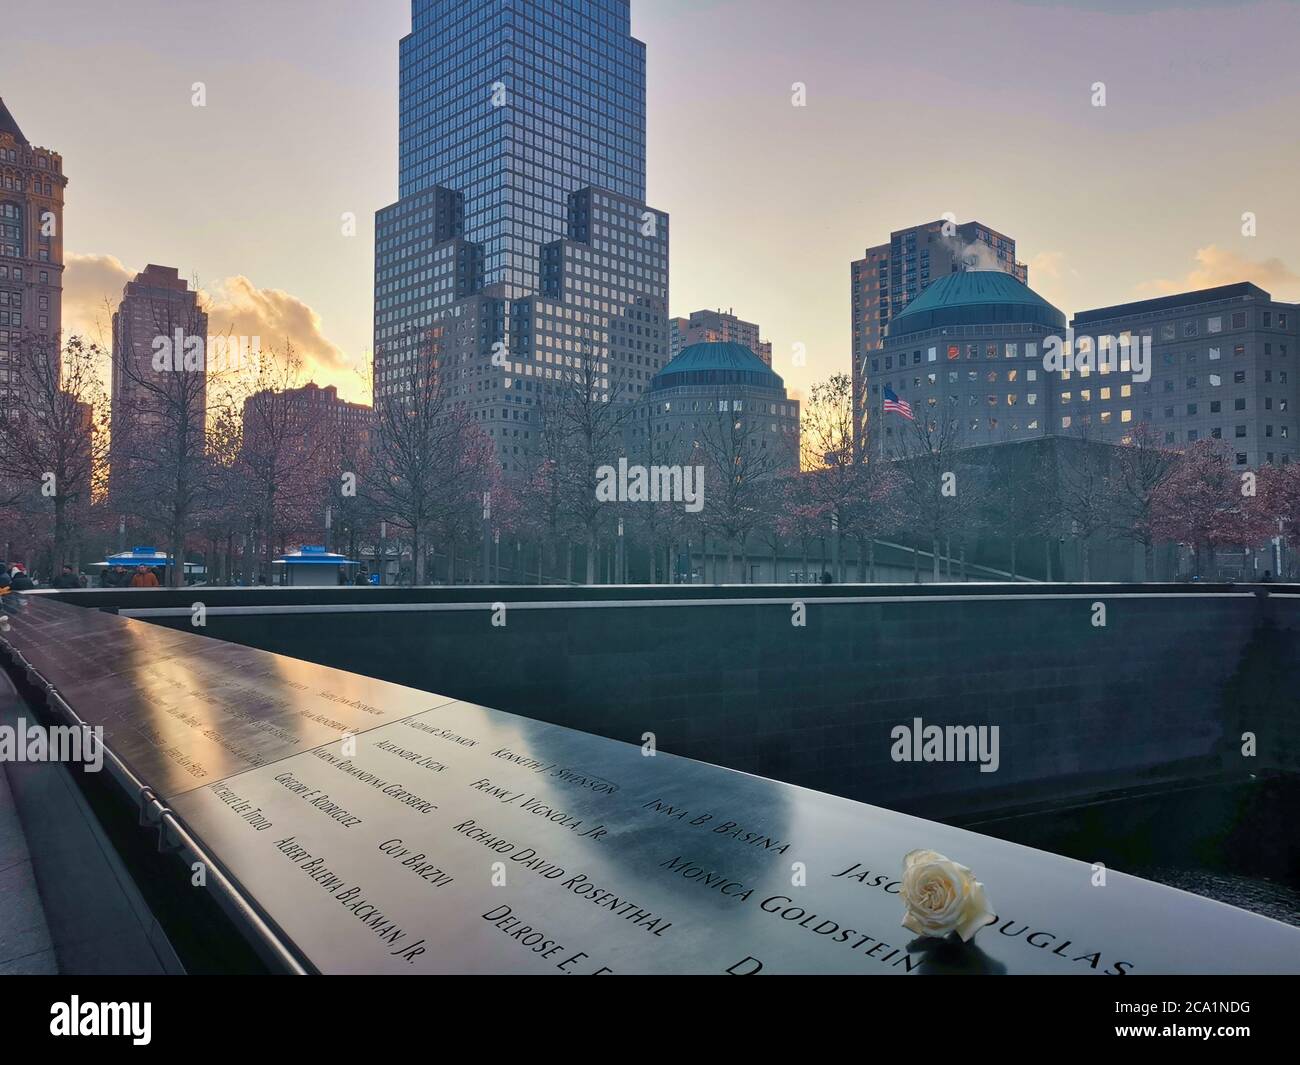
(422, 455)
(583, 423)
(932, 480)
(1086, 490)
(162, 473)
(1142, 467)
(738, 454)
(53, 453)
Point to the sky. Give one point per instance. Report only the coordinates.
(982, 108)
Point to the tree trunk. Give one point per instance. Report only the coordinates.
(1047, 557)
(591, 556)
(934, 547)
(916, 565)
(871, 557)
(963, 561)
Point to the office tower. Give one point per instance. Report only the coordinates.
(31, 256)
(1223, 367)
(711, 327)
(154, 389)
(520, 245)
(889, 276)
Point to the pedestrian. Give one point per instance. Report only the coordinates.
(19, 581)
(67, 578)
(826, 576)
(144, 578)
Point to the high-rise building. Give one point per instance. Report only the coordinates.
(716, 327)
(969, 350)
(152, 390)
(515, 106)
(889, 276)
(520, 247)
(323, 418)
(1222, 367)
(31, 255)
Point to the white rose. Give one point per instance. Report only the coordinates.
(942, 896)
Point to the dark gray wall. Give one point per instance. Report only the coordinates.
(1162, 692)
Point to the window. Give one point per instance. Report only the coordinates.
(1191, 408)
(1215, 406)
(1215, 354)
(1215, 380)
(1238, 319)
(1239, 432)
(1239, 403)
(1105, 393)
(1190, 329)
(1239, 377)
(1216, 324)
(1241, 458)
(1126, 416)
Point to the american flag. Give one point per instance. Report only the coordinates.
(898, 406)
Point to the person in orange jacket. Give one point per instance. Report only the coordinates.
(144, 578)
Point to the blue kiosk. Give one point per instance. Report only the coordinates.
(315, 567)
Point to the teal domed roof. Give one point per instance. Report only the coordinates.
(975, 297)
(719, 363)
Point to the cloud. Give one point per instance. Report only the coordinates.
(92, 289)
(1046, 264)
(238, 307)
(1218, 266)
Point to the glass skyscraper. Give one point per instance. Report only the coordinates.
(515, 104)
(521, 244)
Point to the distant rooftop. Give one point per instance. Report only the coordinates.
(711, 363)
(9, 125)
(975, 297)
(1243, 290)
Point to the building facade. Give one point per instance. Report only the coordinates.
(521, 249)
(711, 327)
(1222, 367)
(31, 257)
(889, 276)
(971, 348)
(1216, 364)
(159, 314)
(712, 385)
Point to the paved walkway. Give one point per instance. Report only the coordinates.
(25, 944)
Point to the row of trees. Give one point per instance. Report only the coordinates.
(255, 476)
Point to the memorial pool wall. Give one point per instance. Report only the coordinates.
(1162, 684)
(351, 825)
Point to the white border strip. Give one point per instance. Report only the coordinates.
(429, 608)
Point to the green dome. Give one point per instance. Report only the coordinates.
(976, 297)
(722, 363)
